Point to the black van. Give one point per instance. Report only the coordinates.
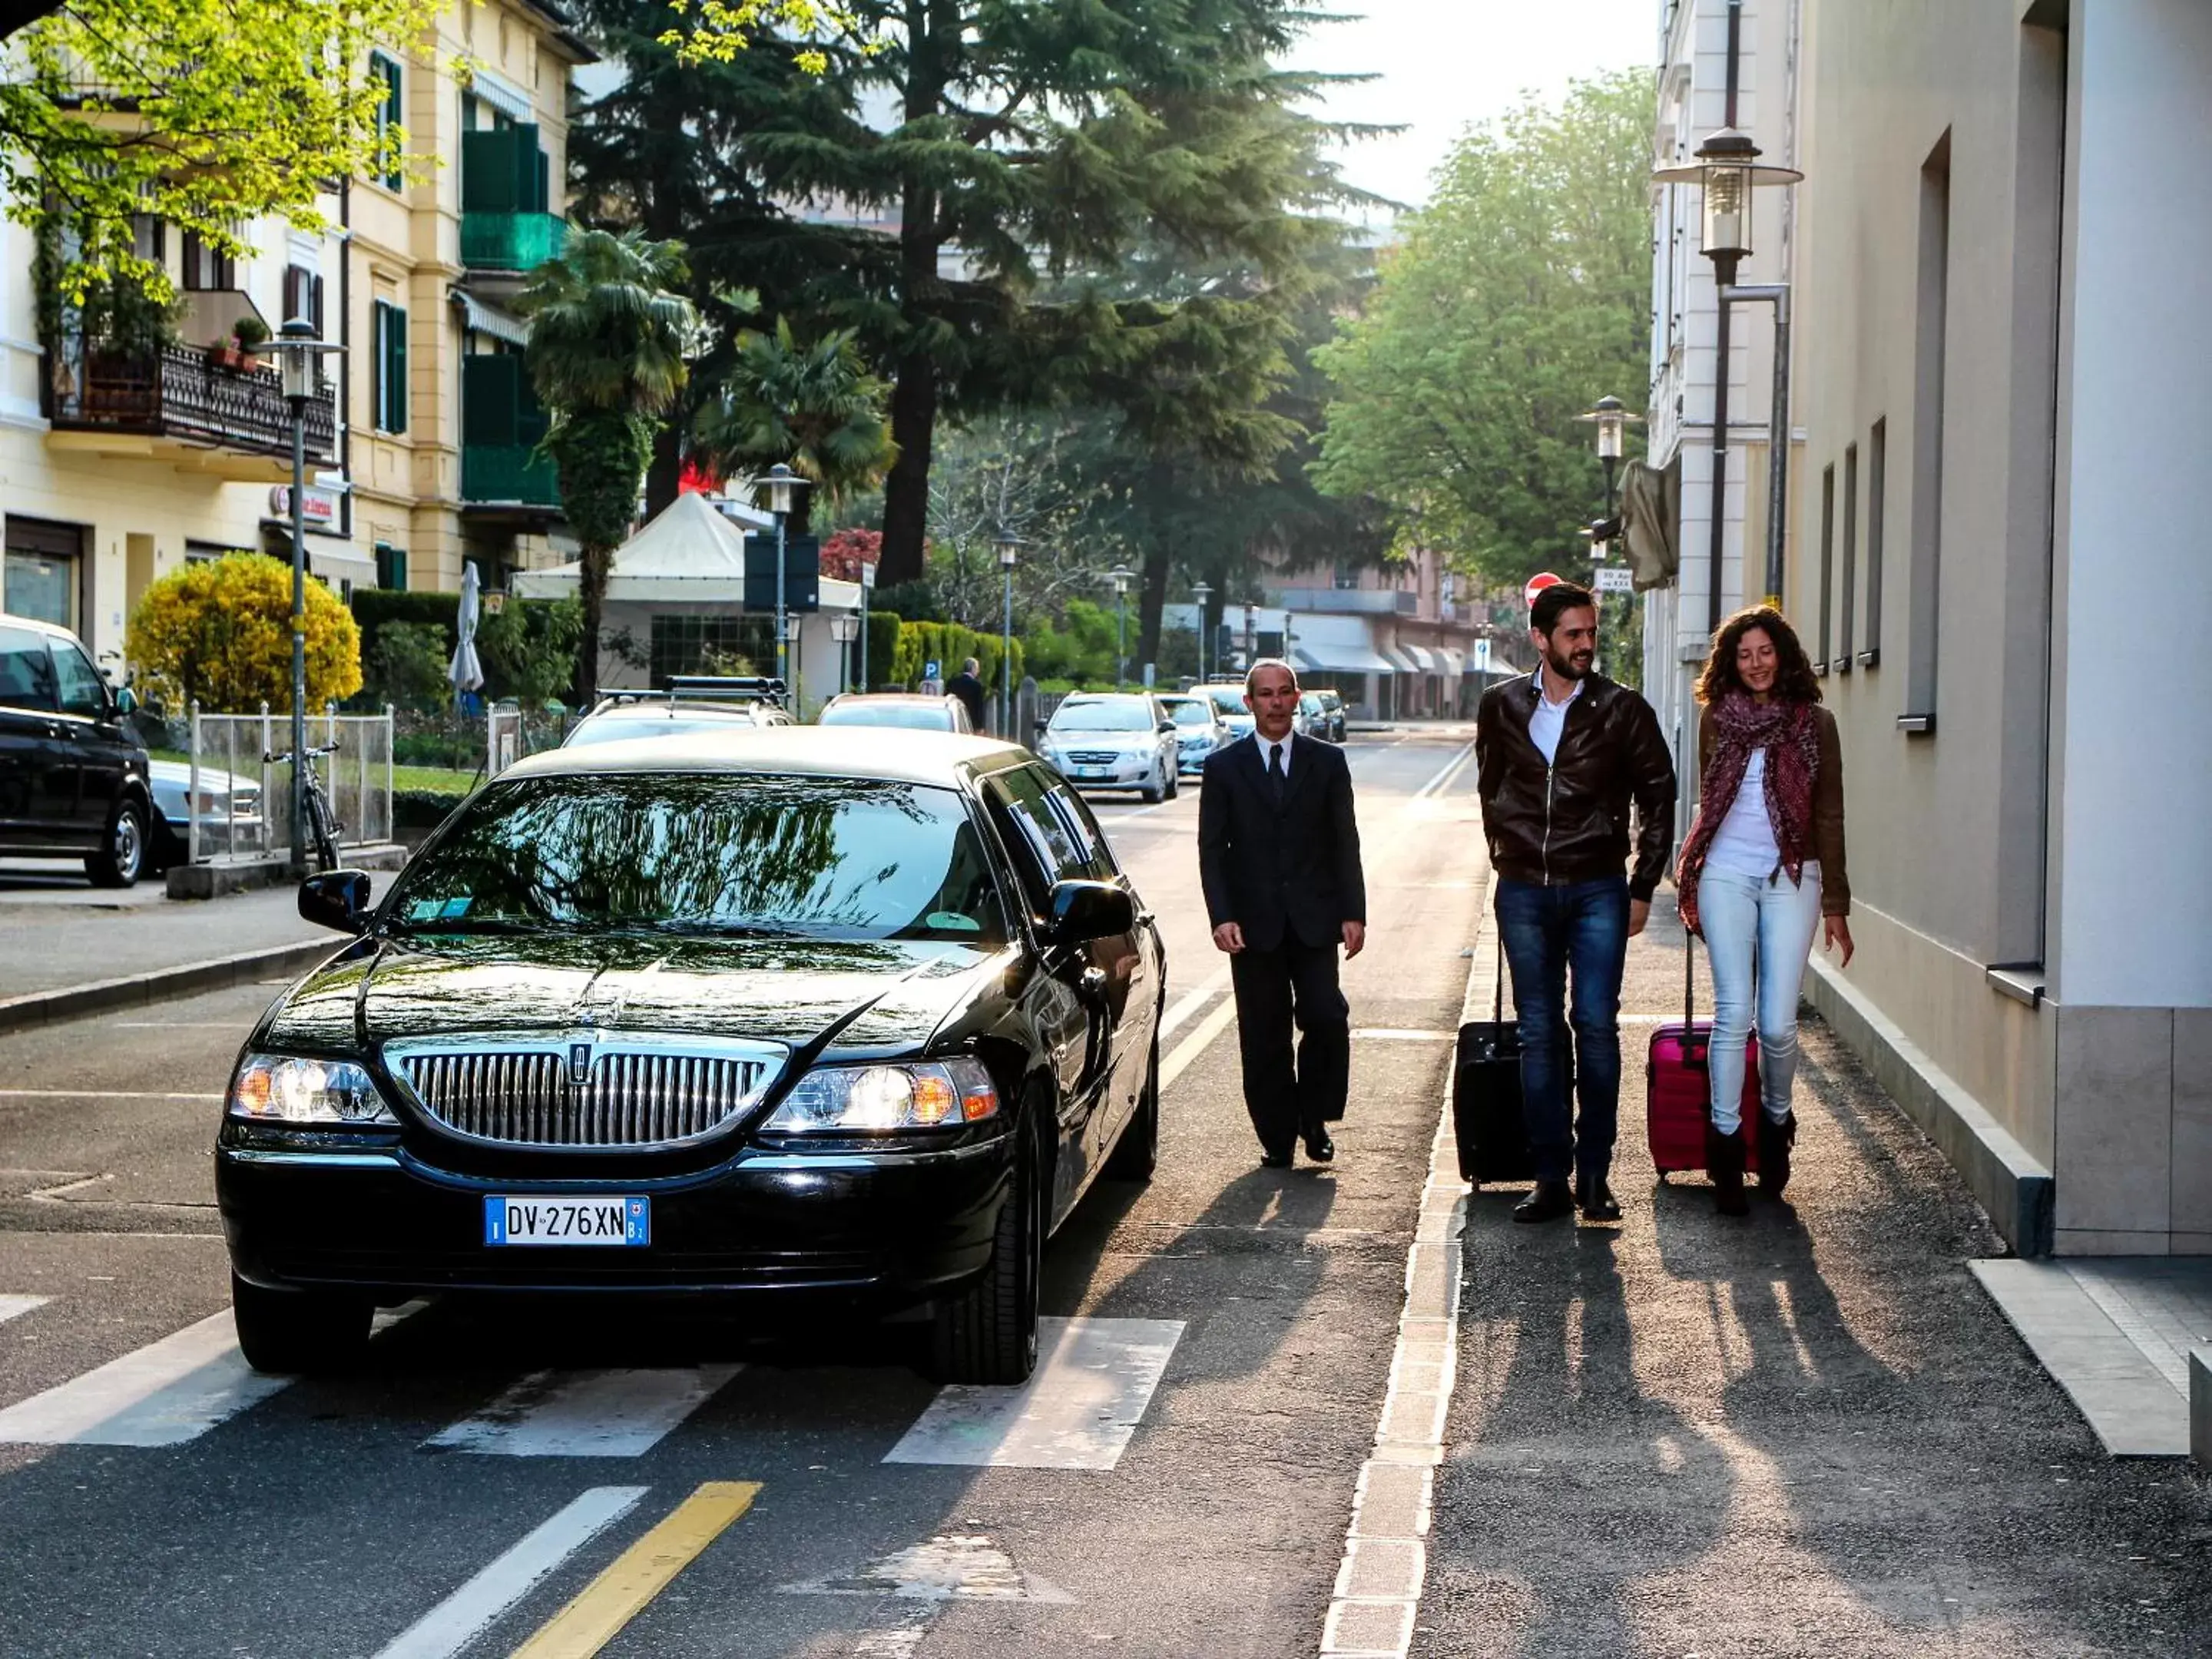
(72, 776)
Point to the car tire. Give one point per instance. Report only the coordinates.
(1155, 792)
(987, 1334)
(298, 1332)
(122, 854)
(1175, 780)
(1137, 1153)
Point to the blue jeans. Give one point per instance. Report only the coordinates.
(1551, 933)
(1759, 930)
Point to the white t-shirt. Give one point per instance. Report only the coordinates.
(1745, 841)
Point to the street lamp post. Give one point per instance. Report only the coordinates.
(867, 592)
(844, 629)
(297, 349)
(1727, 169)
(1010, 549)
(783, 486)
(1122, 576)
(1201, 592)
(1611, 419)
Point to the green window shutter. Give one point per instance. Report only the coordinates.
(491, 388)
(389, 396)
(531, 421)
(398, 336)
(544, 183)
(487, 173)
(390, 113)
(523, 159)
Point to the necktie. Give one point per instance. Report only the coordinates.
(1275, 769)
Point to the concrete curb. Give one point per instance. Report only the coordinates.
(2200, 1407)
(2011, 1184)
(34, 1008)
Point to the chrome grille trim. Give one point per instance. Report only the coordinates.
(639, 1093)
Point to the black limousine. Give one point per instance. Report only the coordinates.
(766, 1013)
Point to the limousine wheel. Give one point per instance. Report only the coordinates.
(122, 854)
(293, 1333)
(989, 1332)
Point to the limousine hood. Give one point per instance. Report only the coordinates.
(777, 990)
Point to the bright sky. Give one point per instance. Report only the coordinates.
(1447, 65)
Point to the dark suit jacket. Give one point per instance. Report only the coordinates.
(1289, 871)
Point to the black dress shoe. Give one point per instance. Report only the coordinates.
(1320, 1148)
(1596, 1200)
(1274, 1160)
(1551, 1200)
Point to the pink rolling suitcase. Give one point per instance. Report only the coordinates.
(1678, 1085)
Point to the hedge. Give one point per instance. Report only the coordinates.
(373, 607)
(917, 643)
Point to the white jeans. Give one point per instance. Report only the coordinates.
(1766, 928)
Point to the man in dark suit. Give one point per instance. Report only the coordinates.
(968, 686)
(1278, 856)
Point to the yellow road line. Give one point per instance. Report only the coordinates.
(617, 1596)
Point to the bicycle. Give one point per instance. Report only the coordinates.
(322, 825)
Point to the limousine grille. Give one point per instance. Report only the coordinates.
(626, 1101)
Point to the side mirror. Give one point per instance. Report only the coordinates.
(1078, 911)
(1167, 725)
(126, 701)
(336, 899)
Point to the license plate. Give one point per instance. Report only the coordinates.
(1093, 772)
(541, 1221)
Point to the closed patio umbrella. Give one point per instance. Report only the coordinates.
(467, 673)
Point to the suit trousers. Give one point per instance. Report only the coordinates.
(1293, 984)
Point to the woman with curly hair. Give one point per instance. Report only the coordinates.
(1762, 868)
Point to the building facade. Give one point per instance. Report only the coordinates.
(2007, 261)
(122, 460)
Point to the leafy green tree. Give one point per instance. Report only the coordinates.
(193, 112)
(1520, 297)
(529, 647)
(219, 632)
(407, 664)
(607, 345)
(814, 407)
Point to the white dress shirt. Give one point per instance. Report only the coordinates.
(1549, 719)
(1266, 760)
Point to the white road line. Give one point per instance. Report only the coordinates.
(1078, 1411)
(1209, 988)
(14, 1307)
(1442, 781)
(471, 1610)
(163, 1394)
(596, 1413)
(1192, 1047)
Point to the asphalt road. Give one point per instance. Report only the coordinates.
(1180, 1484)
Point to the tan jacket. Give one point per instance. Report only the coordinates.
(1827, 808)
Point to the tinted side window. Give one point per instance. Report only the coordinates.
(1083, 829)
(26, 672)
(81, 689)
(1037, 839)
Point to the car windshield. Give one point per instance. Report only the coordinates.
(1188, 711)
(626, 728)
(701, 853)
(1309, 704)
(923, 716)
(1228, 700)
(1120, 716)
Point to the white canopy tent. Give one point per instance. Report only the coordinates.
(691, 552)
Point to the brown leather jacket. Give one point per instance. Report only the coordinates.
(1568, 821)
(1826, 840)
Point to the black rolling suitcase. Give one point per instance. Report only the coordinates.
(1493, 1142)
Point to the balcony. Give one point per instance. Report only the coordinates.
(497, 476)
(181, 405)
(503, 242)
(1352, 601)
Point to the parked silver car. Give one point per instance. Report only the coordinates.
(1114, 740)
(1198, 730)
(228, 807)
(1228, 701)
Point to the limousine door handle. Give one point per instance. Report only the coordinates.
(1094, 979)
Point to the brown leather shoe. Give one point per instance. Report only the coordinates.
(1724, 1162)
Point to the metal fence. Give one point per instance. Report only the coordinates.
(238, 802)
(509, 735)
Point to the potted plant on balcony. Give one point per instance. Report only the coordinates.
(235, 352)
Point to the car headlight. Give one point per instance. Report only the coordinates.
(276, 1089)
(855, 1099)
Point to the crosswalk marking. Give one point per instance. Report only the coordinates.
(469, 1611)
(163, 1394)
(12, 1306)
(598, 1414)
(1078, 1411)
(640, 1573)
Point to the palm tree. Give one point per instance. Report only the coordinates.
(607, 342)
(815, 408)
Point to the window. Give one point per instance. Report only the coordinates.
(391, 129)
(1924, 573)
(1827, 568)
(41, 571)
(150, 238)
(205, 269)
(303, 296)
(1851, 574)
(81, 690)
(710, 644)
(391, 567)
(1877, 486)
(26, 672)
(1049, 834)
(388, 388)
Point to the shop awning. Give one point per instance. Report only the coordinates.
(1340, 659)
(1401, 661)
(1454, 661)
(479, 317)
(1424, 659)
(1335, 645)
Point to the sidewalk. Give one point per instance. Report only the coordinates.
(1811, 1433)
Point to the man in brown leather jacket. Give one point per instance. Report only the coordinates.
(1562, 755)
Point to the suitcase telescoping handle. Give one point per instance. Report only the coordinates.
(1497, 1002)
(1694, 1047)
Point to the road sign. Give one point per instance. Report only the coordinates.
(1620, 581)
(932, 670)
(1482, 656)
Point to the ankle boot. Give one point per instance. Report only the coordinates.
(1724, 1162)
(1775, 1141)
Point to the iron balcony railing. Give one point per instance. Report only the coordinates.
(187, 392)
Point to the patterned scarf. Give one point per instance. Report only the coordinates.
(1790, 734)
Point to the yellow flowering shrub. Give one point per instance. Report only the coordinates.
(221, 632)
